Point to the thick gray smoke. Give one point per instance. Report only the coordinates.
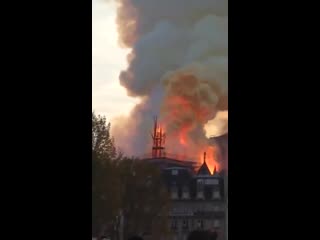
(179, 61)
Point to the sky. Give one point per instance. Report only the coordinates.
(108, 59)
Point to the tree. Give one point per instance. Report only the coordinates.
(145, 199)
(102, 143)
(105, 200)
(127, 185)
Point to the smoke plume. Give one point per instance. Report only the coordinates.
(178, 67)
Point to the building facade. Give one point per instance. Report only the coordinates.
(198, 198)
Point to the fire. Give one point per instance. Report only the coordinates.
(210, 158)
(178, 126)
(182, 140)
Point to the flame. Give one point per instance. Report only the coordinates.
(210, 158)
(185, 149)
(160, 129)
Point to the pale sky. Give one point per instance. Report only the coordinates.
(108, 59)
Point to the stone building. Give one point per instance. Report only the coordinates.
(198, 197)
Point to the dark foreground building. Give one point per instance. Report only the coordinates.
(198, 197)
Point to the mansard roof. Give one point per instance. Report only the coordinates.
(204, 170)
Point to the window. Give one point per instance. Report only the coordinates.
(212, 182)
(185, 195)
(147, 209)
(216, 208)
(174, 224)
(174, 195)
(174, 172)
(200, 194)
(200, 181)
(185, 192)
(216, 195)
(200, 224)
(174, 192)
(192, 223)
(185, 224)
(200, 189)
(216, 223)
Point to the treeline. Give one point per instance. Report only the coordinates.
(128, 195)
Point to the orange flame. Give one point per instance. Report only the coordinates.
(210, 158)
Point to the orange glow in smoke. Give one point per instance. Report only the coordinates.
(177, 104)
(182, 140)
(183, 132)
(184, 116)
